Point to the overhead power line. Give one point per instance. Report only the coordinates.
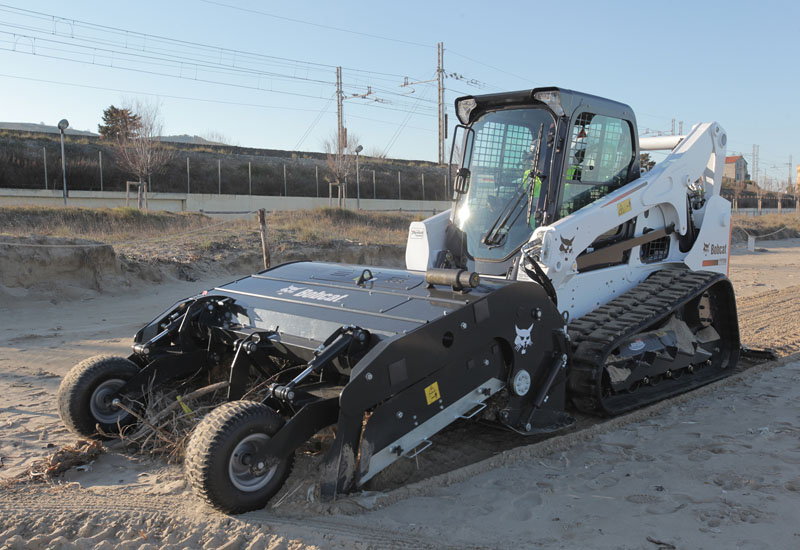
(200, 99)
(128, 39)
(318, 25)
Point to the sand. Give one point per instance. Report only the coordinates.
(717, 468)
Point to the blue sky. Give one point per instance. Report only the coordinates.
(265, 78)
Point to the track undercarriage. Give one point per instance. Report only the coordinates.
(674, 332)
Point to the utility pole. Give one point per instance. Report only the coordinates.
(673, 126)
(339, 118)
(755, 164)
(680, 128)
(440, 82)
(442, 116)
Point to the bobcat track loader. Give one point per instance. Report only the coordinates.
(563, 278)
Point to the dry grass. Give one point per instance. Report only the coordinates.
(327, 225)
(101, 224)
(322, 226)
(772, 226)
(165, 419)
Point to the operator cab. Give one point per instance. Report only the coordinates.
(530, 158)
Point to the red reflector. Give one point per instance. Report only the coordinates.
(710, 262)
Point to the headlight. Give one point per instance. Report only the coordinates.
(552, 99)
(465, 106)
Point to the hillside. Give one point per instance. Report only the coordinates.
(210, 167)
(42, 128)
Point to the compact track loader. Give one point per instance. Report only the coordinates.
(564, 277)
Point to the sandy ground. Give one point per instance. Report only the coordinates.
(719, 468)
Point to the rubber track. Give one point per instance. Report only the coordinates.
(595, 335)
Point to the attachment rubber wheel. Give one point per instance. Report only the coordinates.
(86, 392)
(219, 457)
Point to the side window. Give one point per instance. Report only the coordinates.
(600, 156)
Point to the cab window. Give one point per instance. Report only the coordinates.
(600, 157)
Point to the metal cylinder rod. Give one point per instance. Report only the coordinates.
(659, 143)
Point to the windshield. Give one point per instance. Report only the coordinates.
(500, 154)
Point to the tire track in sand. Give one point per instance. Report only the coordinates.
(771, 320)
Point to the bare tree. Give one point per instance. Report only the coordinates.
(340, 158)
(376, 152)
(218, 138)
(142, 152)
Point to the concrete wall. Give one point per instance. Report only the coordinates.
(214, 205)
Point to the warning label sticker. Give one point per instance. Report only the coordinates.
(432, 393)
(624, 207)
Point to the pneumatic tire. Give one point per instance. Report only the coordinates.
(218, 464)
(86, 392)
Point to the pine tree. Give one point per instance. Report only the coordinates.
(119, 123)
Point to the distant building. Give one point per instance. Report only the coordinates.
(797, 182)
(736, 169)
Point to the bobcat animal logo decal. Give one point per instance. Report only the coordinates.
(705, 248)
(523, 339)
(566, 245)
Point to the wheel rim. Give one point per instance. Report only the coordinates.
(240, 463)
(100, 403)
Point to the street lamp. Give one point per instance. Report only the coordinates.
(358, 183)
(63, 124)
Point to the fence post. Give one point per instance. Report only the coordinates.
(100, 154)
(285, 188)
(188, 178)
(262, 223)
(149, 186)
(44, 152)
(423, 187)
(250, 177)
(444, 179)
(399, 189)
(374, 194)
(316, 176)
(219, 176)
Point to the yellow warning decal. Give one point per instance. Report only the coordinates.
(624, 207)
(432, 393)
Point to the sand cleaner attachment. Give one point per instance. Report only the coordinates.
(388, 357)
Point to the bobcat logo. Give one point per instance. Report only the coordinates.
(291, 289)
(705, 248)
(523, 339)
(566, 245)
